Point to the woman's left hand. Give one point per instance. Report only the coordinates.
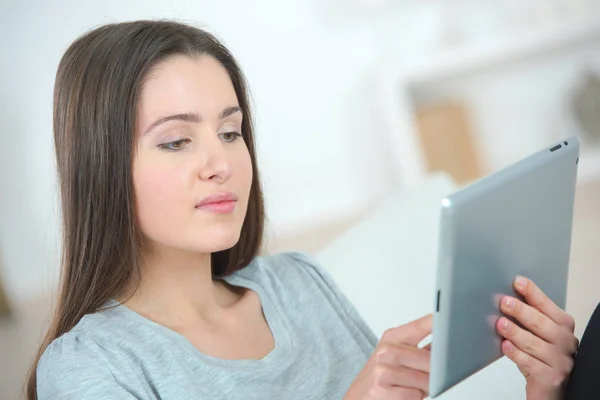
(544, 351)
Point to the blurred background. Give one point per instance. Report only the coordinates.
(354, 100)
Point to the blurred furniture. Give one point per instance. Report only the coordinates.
(20, 336)
(446, 138)
(586, 106)
(504, 63)
(4, 307)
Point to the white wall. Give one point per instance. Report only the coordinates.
(323, 150)
(319, 152)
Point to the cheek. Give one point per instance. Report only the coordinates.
(244, 172)
(158, 199)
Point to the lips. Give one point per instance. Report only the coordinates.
(219, 203)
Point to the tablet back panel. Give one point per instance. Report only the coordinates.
(516, 221)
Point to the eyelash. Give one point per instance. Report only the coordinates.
(236, 135)
(168, 146)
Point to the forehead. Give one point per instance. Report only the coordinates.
(185, 84)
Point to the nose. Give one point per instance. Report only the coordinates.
(214, 161)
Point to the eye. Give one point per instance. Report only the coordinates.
(176, 145)
(230, 136)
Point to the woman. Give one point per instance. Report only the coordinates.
(163, 294)
(583, 382)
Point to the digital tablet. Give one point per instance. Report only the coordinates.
(515, 222)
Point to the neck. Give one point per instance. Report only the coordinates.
(176, 287)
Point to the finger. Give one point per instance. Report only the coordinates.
(539, 324)
(532, 367)
(407, 394)
(401, 377)
(533, 345)
(403, 356)
(536, 298)
(410, 334)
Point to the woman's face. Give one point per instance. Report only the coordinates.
(192, 172)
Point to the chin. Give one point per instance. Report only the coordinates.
(217, 240)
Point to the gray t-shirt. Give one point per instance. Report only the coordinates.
(321, 343)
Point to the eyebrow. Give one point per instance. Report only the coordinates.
(191, 117)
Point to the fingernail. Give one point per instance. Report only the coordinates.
(507, 345)
(505, 324)
(509, 303)
(521, 282)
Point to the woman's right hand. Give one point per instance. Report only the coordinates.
(397, 369)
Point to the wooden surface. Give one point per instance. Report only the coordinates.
(447, 141)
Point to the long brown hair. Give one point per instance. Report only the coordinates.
(96, 93)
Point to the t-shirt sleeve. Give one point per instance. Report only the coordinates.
(362, 333)
(72, 368)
